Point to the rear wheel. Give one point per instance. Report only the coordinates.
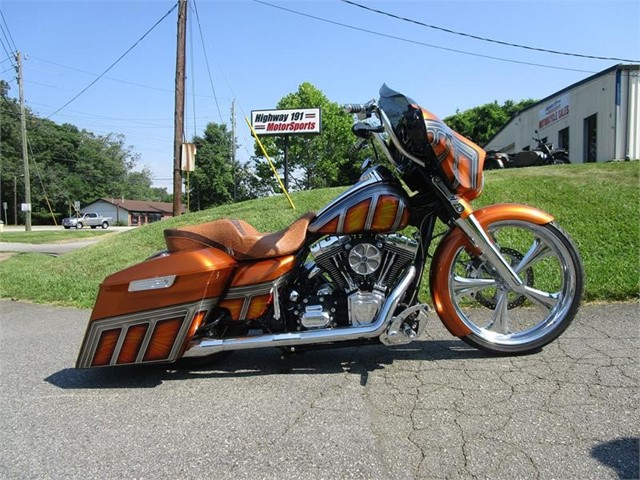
(79, 225)
(500, 319)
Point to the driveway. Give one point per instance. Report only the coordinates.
(8, 248)
(433, 409)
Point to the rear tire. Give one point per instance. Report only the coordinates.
(79, 225)
(499, 319)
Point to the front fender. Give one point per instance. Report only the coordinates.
(451, 244)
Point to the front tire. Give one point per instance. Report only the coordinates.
(496, 318)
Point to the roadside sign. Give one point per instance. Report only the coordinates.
(286, 122)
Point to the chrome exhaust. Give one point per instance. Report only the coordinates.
(204, 347)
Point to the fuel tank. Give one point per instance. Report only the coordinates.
(376, 204)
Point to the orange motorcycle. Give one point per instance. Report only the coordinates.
(505, 278)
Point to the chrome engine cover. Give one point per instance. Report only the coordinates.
(351, 278)
(364, 306)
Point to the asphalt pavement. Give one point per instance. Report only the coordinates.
(433, 409)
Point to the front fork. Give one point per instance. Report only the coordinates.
(481, 243)
(489, 252)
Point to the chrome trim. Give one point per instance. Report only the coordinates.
(155, 283)
(208, 346)
(472, 228)
(371, 213)
(145, 343)
(399, 214)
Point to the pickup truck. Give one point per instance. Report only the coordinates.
(89, 219)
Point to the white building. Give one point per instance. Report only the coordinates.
(596, 119)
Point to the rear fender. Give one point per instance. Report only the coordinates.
(451, 244)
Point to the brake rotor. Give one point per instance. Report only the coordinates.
(477, 269)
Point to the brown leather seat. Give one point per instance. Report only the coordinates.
(239, 239)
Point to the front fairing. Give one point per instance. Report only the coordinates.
(458, 160)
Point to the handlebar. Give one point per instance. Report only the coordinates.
(368, 107)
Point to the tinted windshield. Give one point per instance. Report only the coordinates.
(394, 104)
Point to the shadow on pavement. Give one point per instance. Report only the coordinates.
(621, 455)
(249, 363)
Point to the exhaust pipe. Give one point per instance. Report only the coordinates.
(204, 347)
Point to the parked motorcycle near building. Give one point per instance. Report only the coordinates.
(543, 154)
(505, 278)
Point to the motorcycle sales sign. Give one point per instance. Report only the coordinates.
(554, 111)
(286, 122)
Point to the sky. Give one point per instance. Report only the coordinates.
(255, 52)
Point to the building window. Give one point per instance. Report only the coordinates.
(591, 138)
(563, 139)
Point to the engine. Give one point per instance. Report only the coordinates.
(348, 280)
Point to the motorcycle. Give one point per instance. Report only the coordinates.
(504, 278)
(543, 154)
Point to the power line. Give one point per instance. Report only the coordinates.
(7, 51)
(485, 39)
(117, 61)
(10, 39)
(373, 32)
(126, 82)
(6, 33)
(206, 60)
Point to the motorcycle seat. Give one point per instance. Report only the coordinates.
(239, 239)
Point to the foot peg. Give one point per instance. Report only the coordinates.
(401, 331)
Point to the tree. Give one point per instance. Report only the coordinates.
(67, 164)
(314, 161)
(481, 123)
(212, 182)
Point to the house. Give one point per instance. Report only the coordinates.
(130, 212)
(595, 120)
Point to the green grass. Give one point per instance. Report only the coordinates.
(50, 236)
(597, 204)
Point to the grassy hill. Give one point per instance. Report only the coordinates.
(597, 204)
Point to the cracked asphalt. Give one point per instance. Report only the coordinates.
(430, 410)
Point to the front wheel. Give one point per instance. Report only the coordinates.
(493, 317)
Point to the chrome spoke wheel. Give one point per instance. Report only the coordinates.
(507, 321)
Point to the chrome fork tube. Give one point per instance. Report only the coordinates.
(474, 232)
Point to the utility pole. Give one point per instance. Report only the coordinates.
(233, 148)
(179, 108)
(25, 158)
(15, 200)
